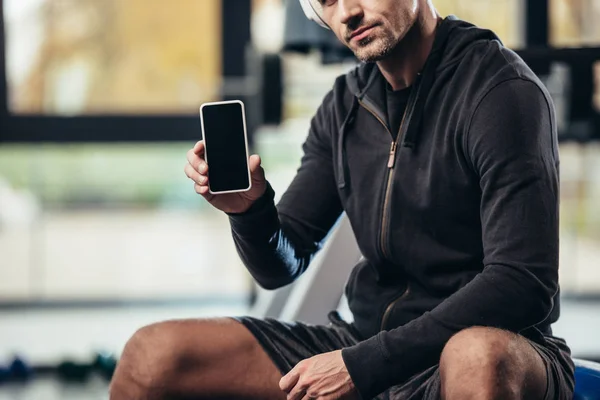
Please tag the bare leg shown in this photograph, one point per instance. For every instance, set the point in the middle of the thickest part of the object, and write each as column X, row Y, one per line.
column 489, row 363
column 195, row 359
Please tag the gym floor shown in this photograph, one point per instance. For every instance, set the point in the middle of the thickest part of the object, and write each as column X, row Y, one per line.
column 51, row 389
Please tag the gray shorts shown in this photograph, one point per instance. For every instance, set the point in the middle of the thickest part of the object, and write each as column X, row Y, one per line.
column 289, row 343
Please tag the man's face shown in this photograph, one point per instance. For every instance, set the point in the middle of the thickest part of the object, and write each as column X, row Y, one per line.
column 370, row 28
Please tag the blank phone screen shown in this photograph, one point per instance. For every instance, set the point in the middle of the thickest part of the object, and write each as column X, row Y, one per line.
column 225, row 142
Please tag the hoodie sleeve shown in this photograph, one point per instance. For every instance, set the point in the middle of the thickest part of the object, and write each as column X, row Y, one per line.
column 511, row 144
column 277, row 243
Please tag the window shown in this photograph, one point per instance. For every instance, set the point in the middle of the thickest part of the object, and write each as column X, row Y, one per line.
column 501, row 16
column 111, row 221
column 73, row 57
column 574, row 23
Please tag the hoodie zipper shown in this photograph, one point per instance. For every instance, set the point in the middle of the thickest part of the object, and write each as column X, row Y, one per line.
column 384, row 218
column 390, row 165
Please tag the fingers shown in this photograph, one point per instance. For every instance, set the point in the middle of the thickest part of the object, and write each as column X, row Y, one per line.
column 197, row 170
column 196, row 160
column 293, row 385
column 298, row 393
column 194, row 175
column 288, row 382
column 200, row 182
column 203, row 191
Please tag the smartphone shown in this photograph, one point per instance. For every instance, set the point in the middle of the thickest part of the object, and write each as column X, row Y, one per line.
column 225, row 146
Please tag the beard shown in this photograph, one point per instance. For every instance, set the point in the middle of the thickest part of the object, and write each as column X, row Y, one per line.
column 371, row 49
column 377, row 46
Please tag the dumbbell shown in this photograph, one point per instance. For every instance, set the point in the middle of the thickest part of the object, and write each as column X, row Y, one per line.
column 17, row 370
column 4, row 374
column 72, row 371
column 20, row 370
column 105, row 364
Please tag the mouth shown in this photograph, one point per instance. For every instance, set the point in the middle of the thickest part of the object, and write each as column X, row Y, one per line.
column 361, row 33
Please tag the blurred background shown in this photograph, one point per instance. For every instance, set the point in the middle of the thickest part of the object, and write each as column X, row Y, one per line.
column 100, row 230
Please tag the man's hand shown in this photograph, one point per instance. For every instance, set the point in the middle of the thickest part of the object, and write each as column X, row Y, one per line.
column 196, row 169
column 323, row 377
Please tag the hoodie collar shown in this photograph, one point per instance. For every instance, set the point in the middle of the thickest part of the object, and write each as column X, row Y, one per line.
column 372, row 94
column 366, row 83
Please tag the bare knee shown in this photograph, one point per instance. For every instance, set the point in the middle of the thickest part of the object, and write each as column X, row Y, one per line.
column 482, row 362
column 152, row 357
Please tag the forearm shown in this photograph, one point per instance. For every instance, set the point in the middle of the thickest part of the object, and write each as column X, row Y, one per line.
column 269, row 244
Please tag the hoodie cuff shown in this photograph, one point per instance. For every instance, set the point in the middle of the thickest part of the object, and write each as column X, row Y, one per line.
column 260, row 213
column 369, row 367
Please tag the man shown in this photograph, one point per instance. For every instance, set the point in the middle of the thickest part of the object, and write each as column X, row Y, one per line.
column 442, row 150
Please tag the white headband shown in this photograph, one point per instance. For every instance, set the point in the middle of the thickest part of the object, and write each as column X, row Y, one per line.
column 314, row 11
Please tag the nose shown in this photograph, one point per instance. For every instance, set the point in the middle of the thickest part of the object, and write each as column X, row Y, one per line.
column 349, row 10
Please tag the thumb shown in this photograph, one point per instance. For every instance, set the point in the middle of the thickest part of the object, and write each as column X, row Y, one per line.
column 254, row 163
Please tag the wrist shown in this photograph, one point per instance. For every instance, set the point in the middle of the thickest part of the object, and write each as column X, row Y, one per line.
column 259, row 204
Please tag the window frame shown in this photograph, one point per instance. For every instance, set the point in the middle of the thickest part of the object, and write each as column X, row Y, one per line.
column 235, row 31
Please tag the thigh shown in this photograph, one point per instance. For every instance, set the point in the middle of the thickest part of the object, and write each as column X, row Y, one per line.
column 225, row 360
column 195, row 359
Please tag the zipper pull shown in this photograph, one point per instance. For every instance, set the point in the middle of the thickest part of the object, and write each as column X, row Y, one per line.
column 392, row 159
